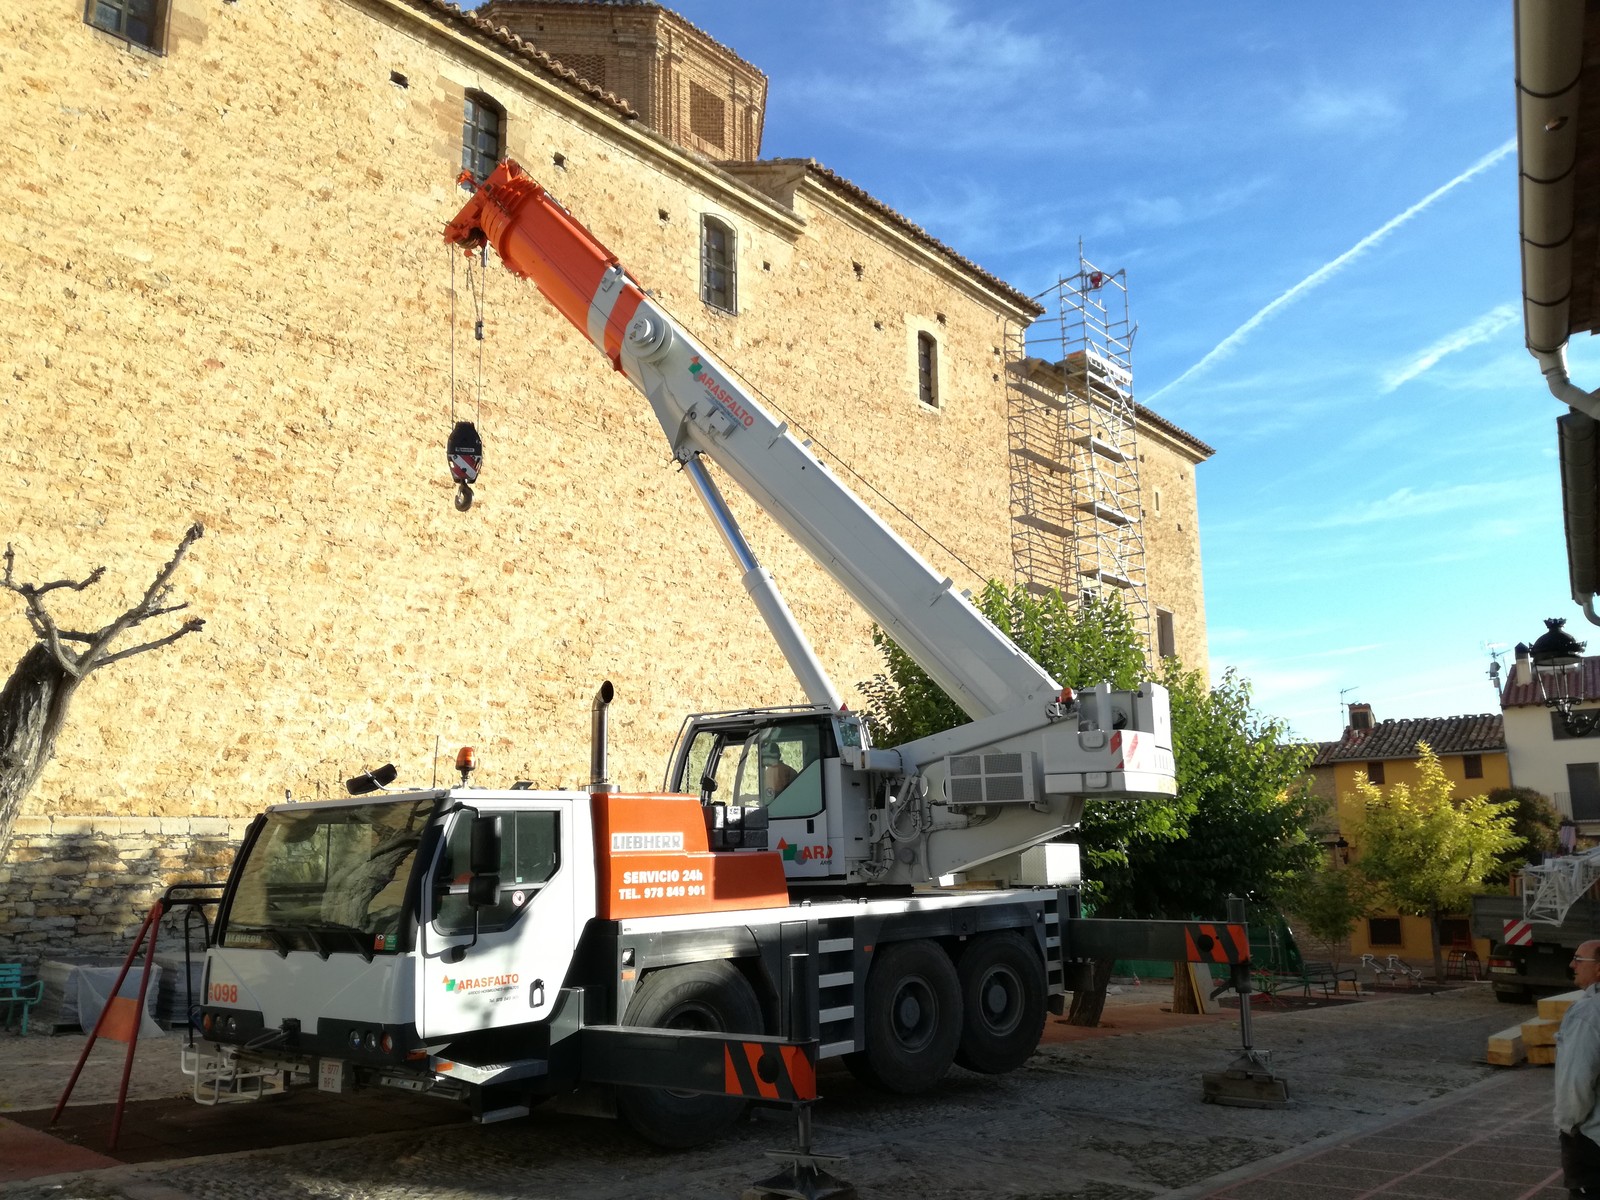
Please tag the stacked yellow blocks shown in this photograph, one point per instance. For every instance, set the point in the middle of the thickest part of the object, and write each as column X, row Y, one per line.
column 1533, row 1041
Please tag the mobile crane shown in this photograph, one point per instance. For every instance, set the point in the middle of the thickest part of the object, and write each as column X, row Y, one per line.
column 637, row 950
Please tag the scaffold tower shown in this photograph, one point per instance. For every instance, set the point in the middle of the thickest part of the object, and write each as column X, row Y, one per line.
column 1076, row 508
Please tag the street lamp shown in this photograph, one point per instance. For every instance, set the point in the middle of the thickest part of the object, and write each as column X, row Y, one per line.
column 1558, row 670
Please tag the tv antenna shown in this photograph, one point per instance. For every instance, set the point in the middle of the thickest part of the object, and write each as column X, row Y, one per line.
column 1343, row 692
column 1496, row 651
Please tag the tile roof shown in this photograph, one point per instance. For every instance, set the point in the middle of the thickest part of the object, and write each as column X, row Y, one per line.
column 838, row 183
column 1526, row 695
column 1160, row 422
column 515, row 47
column 1398, row 739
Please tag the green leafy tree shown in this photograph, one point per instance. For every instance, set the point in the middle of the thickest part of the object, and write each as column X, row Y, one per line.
column 1238, row 823
column 1244, row 802
column 1327, row 903
column 1533, row 819
column 1426, row 851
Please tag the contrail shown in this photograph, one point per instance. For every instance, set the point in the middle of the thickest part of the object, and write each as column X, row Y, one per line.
column 1325, row 272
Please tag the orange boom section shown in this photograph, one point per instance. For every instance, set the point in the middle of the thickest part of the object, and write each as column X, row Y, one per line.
column 538, row 239
column 652, row 859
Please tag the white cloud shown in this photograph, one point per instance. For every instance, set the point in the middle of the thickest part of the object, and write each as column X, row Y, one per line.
column 1331, row 268
column 987, row 48
column 1408, row 503
column 1325, row 108
column 1473, row 334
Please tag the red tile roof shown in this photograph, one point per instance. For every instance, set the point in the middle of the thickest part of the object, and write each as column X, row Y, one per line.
column 838, row 183
column 1485, row 732
column 515, row 47
column 1526, row 695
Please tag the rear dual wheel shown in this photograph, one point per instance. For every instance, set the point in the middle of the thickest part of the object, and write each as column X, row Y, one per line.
column 913, row 1024
column 1003, row 1003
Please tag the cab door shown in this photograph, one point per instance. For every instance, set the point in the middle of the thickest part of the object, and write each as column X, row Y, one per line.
column 500, row 965
column 782, row 769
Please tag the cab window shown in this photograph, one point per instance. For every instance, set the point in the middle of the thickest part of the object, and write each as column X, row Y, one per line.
column 782, row 770
column 529, row 857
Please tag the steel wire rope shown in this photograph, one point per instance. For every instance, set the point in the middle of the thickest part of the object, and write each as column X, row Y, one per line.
column 762, row 396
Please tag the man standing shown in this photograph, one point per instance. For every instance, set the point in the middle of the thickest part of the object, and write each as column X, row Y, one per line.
column 1578, row 1078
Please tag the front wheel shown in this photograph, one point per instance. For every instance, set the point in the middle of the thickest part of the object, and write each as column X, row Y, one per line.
column 913, row 1023
column 706, row 996
column 1003, row 1004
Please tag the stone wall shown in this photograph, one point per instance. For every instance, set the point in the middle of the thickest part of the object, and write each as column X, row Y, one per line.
column 1171, row 526
column 223, row 297
column 77, row 887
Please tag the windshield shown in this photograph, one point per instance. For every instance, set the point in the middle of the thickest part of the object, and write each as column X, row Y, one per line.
column 328, row 878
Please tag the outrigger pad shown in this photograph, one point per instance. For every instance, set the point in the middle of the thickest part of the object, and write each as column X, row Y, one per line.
column 803, row 1177
column 1246, row 1084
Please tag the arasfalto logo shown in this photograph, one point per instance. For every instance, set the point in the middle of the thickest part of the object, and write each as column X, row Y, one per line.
column 790, row 852
column 480, row 984
column 720, row 394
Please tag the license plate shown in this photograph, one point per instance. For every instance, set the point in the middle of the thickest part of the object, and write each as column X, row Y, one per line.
column 330, row 1075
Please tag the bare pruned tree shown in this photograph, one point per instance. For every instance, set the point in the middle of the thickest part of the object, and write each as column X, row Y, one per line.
column 33, row 703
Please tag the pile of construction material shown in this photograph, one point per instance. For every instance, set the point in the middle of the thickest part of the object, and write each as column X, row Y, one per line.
column 1532, row 1041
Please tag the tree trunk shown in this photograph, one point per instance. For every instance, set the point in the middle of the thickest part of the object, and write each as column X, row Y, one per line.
column 33, row 707
column 1090, row 1002
column 1438, row 951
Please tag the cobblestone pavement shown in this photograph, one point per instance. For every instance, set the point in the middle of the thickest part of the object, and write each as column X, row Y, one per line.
column 1110, row 1118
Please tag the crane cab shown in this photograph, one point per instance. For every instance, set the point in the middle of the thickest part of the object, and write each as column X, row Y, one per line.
column 785, row 763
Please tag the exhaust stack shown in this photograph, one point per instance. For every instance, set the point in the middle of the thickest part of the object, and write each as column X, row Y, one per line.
column 599, row 735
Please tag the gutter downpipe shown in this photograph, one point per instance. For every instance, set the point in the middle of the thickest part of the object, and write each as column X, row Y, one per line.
column 1549, row 67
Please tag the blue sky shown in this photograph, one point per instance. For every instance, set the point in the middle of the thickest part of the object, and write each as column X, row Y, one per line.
column 1316, row 210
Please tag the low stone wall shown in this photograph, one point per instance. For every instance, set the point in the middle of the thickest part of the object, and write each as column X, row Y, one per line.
column 79, row 887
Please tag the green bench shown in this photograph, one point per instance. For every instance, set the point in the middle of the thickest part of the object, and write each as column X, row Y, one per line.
column 16, row 997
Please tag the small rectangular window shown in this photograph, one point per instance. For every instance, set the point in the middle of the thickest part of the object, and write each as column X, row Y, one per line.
column 928, row 370
column 482, row 134
column 1472, row 765
column 1383, row 931
column 1583, row 785
column 136, row 21
column 1166, row 634
column 718, row 270
column 1375, row 773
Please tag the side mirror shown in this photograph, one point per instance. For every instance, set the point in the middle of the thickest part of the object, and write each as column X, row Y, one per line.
column 708, row 784
column 485, row 854
column 483, row 891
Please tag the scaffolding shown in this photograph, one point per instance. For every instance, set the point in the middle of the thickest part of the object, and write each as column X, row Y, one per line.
column 1076, row 509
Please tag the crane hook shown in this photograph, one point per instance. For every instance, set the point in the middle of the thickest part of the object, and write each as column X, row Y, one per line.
column 465, row 453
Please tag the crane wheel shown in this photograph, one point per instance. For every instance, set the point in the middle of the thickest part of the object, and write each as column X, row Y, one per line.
column 705, row 996
column 1003, row 1003
column 913, row 1022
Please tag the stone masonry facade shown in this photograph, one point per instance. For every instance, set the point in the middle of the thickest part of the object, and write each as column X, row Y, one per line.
column 224, row 298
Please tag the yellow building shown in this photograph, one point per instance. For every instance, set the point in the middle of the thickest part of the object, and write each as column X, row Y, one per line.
column 1472, row 752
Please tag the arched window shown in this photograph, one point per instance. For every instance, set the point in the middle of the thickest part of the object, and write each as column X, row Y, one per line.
column 928, row 369
column 718, row 264
column 482, row 136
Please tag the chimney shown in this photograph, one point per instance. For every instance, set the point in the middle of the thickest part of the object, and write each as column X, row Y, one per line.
column 1361, row 716
column 1522, row 670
